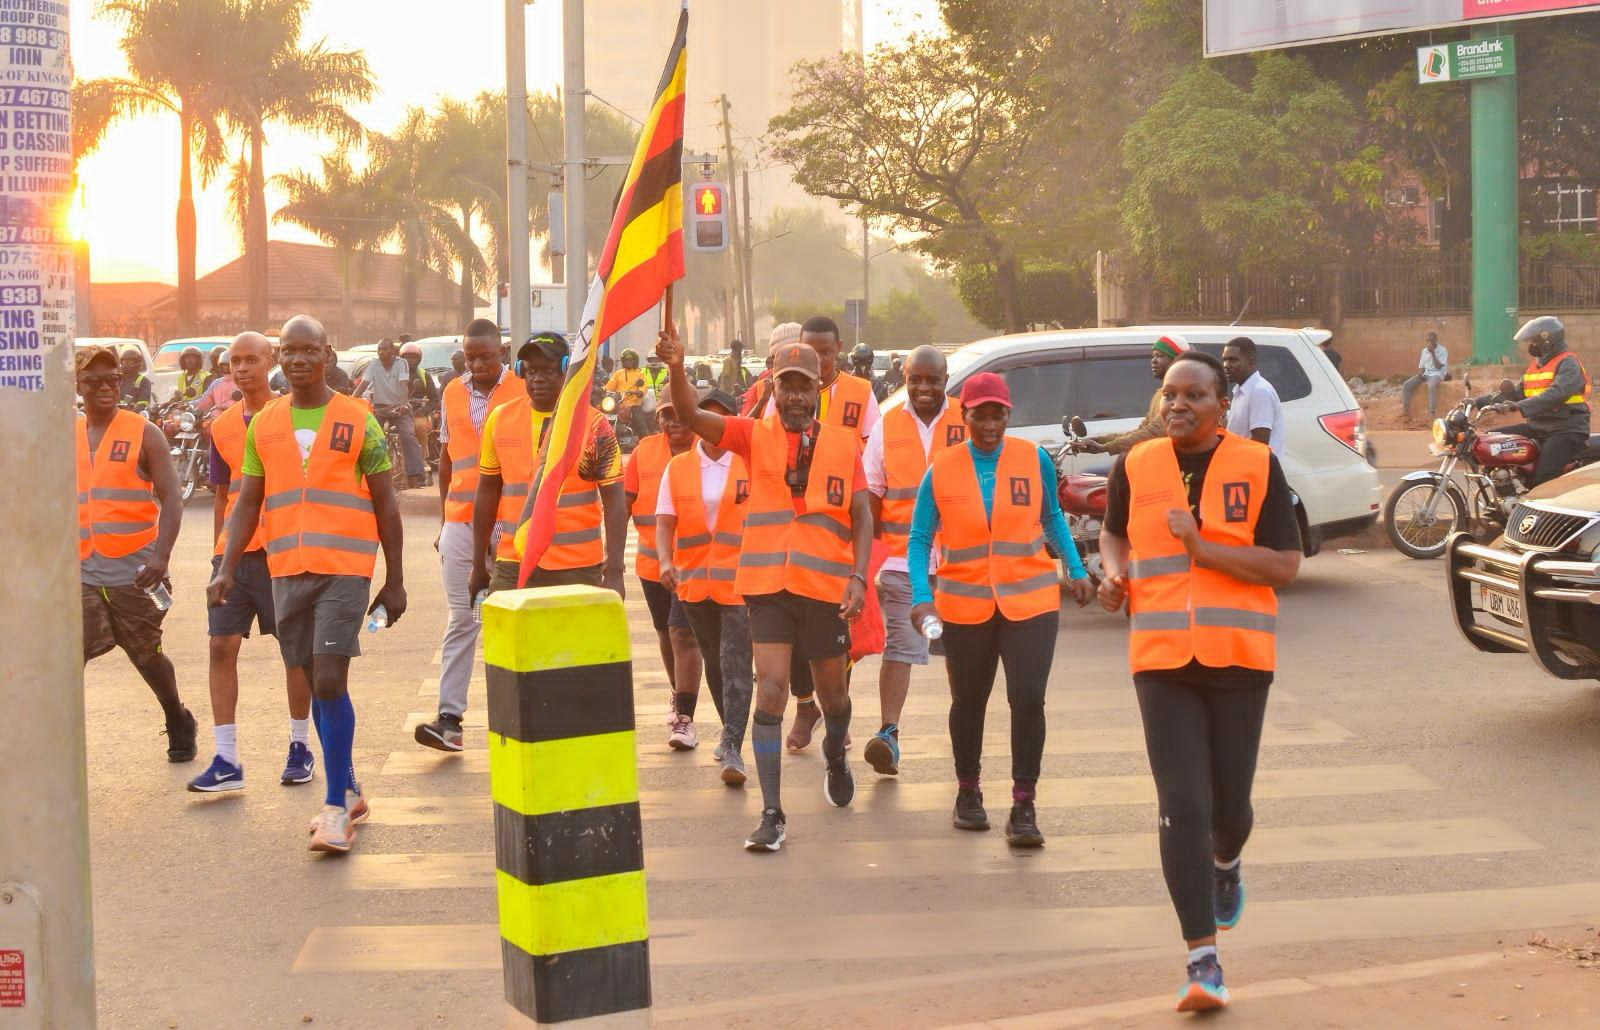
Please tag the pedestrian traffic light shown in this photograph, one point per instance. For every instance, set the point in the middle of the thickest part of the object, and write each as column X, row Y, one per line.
column 708, row 217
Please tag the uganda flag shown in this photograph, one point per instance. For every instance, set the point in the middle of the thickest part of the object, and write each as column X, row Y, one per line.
column 643, row 255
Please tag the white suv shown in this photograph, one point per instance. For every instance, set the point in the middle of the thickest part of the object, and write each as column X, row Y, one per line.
column 1104, row 376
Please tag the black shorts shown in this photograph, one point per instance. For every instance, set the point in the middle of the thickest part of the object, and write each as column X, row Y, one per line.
column 665, row 608
column 319, row 614
column 814, row 628
column 250, row 601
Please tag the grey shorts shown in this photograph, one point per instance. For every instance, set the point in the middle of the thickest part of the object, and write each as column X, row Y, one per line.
column 319, row 614
column 901, row 642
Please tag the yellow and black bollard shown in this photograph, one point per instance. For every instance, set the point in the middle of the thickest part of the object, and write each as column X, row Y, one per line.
column 569, row 851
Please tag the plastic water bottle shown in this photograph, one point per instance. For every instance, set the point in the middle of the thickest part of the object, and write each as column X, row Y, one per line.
column 932, row 627
column 477, row 605
column 379, row 619
column 159, row 594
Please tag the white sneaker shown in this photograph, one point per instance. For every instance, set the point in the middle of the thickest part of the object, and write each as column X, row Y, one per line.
column 333, row 831
column 682, row 737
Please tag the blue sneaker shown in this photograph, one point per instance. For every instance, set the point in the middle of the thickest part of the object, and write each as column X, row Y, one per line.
column 1204, row 991
column 301, row 763
column 883, row 751
column 1227, row 894
column 220, row 775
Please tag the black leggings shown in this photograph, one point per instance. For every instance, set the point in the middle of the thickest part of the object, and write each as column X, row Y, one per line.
column 971, row 654
column 1202, row 742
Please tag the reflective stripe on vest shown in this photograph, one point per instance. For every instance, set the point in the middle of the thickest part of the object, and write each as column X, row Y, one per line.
column 227, row 436
column 905, row 463
column 649, row 464
column 117, row 510
column 808, row 555
column 465, row 439
column 576, row 542
column 1538, row 377
column 317, row 513
column 1180, row 611
column 999, row 560
column 707, row 558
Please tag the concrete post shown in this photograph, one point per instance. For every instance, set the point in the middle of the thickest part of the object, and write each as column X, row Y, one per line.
column 1495, row 264
column 46, row 943
column 519, row 282
column 574, row 95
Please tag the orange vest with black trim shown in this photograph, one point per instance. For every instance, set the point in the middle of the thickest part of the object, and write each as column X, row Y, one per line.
column 847, row 405
column 1538, row 377
column 905, row 463
column 317, row 512
column 650, row 461
column 117, row 510
column 999, row 560
column 1179, row 611
column 808, row 555
column 227, row 435
column 707, row 556
column 576, row 543
column 464, row 440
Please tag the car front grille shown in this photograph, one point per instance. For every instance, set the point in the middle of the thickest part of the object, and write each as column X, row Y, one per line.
column 1543, row 530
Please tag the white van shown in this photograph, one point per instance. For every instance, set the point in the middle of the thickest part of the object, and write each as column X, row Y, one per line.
column 1104, row 376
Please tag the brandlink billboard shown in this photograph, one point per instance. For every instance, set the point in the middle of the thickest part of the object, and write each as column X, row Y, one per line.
column 1237, row 26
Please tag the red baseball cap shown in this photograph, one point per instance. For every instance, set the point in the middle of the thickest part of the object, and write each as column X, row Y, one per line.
column 985, row 388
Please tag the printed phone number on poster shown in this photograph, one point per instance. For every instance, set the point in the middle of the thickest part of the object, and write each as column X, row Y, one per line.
column 24, row 35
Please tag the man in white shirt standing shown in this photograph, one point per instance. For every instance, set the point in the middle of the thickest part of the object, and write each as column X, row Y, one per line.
column 1256, row 412
column 1432, row 367
column 899, row 450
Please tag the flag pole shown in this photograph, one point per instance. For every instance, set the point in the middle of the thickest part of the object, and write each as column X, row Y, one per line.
column 666, row 311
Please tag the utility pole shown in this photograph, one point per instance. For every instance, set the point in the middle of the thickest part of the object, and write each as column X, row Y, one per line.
column 519, row 287
column 749, row 269
column 46, row 938
column 742, row 313
column 574, row 95
column 866, row 273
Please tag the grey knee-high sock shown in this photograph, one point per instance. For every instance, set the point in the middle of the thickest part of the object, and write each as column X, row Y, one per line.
column 837, row 727
column 766, row 739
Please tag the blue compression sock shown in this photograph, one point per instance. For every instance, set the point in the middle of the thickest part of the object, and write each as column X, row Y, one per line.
column 337, row 728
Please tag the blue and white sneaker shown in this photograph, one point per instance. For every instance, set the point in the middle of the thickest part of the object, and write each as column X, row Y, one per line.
column 300, row 765
column 1204, row 991
column 883, row 751
column 1227, row 897
column 220, row 775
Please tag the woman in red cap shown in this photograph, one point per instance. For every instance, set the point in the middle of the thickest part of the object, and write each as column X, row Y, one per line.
column 993, row 503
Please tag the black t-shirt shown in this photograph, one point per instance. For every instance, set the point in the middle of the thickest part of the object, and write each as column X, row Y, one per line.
column 1276, row 528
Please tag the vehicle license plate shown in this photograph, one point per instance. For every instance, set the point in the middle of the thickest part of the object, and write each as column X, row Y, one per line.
column 1500, row 604
column 188, row 436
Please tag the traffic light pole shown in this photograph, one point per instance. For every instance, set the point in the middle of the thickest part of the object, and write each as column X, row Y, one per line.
column 573, row 97
column 519, row 285
column 1495, row 264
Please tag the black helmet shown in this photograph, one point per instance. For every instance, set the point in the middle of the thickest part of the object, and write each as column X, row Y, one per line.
column 1544, row 335
column 861, row 354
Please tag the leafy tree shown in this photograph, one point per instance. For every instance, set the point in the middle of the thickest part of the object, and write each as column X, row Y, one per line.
column 337, row 208
column 1054, row 295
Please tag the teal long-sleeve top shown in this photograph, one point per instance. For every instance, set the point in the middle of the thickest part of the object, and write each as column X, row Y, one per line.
column 925, row 519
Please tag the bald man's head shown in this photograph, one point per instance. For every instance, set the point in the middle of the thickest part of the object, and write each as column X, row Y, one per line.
column 927, row 375
column 303, row 353
column 928, row 358
column 250, row 364
column 306, row 327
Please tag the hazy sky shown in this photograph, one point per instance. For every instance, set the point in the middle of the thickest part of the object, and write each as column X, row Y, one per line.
column 416, row 56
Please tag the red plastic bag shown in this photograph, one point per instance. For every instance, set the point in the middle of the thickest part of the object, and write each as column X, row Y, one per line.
column 866, row 632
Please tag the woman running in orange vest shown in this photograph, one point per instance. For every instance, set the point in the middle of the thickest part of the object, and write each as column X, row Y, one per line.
column 993, row 504
column 1199, row 530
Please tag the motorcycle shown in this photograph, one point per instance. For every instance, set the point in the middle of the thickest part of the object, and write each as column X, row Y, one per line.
column 189, row 437
column 1082, row 496
column 1427, row 506
column 611, row 407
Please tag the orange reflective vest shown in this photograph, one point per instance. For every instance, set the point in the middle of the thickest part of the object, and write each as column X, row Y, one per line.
column 905, row 463
column 808, row 555
column 117, row 510
column 999, row 560
column 1538, row 377
column 650, row 461
column 847, row 404
column 576, row 543
column 707, row 556
column 227, row 436
column 317, row 512
column 1180, row 611
column 464, row 440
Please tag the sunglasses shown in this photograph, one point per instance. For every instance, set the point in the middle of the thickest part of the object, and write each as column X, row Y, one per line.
column 95, row 382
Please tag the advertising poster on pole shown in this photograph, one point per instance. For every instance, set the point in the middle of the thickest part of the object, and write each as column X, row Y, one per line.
column 1240, row 26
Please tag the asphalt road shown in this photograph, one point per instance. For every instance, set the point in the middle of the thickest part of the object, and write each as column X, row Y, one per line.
column 1417, row 803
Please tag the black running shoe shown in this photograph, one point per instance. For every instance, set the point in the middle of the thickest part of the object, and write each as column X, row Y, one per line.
column 838, row 783
column 1227, row 897
column 770, row 834
column 1022, row 829
column 180, row 737
column 969, row 814
column 443, row 734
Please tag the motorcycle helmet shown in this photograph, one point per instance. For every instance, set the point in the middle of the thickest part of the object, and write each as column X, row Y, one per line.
column 1544, row 335
column 411, row 350
column 199, row 358
column 861, row 356
column 629, row 353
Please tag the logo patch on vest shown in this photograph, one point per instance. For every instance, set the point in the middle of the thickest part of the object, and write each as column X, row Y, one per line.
column 341, row 437
column 1021, row 491
column 741, row 491
column 119, row 450
column 836, row 490
column 852, row 413
column 955, row 436
column 1236, row 502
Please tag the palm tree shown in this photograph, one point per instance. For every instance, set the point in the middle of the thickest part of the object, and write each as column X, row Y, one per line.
column 274, row 79
column 337, row 209
column 176, row 51
column 468, row 154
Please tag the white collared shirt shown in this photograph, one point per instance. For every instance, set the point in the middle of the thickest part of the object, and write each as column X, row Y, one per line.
column 877, row 471
column 1256, row 406
column 713, row 484
column 477, row 404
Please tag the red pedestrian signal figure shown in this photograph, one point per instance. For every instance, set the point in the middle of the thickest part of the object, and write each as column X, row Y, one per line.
column 708, row 217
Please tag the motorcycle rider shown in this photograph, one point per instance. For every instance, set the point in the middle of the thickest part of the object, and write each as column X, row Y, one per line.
column 1162, row 355
column 861, row 368
column 629, row 384
column 135, row 394
column 192, row 374
column 387, row 384
column 1553, row 396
